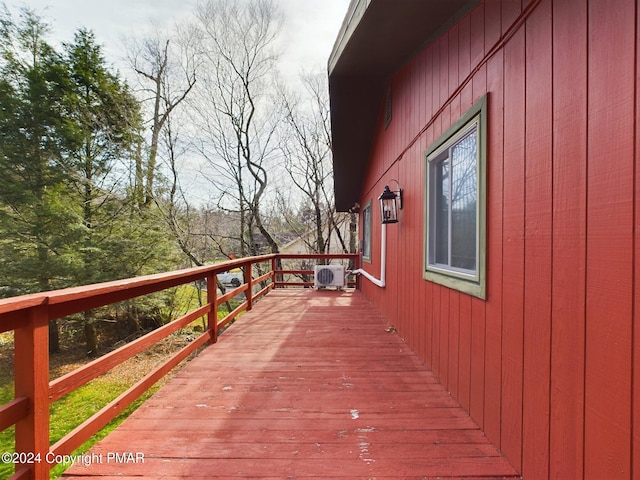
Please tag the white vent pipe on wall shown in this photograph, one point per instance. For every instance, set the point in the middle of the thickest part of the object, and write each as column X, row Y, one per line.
column 381, row 282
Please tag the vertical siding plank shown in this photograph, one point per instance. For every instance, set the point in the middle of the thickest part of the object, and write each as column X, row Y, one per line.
column 454, row 65
column 538, row 234
column 428, row 286
column 417, row 306
column 454, row 342
column 435, row 85
column 421, row 303
column 478, row 327
column 569, row 238
column 492, row 22
column 493, row 354
column 438, row 127
column 477, row 35
column 407, row 287
column 428, row 86
column 464, row 47
column 425, row 142
column 464, row 63
column 437, row 320
column 635, row 446
column 412, row 214
column 404, row 288
column 513, row 246
column 410, row 106
column 464, row 368
column 456, row 112
column 392, row 305
column 445, row 326
column 443, row 69
column 476, row 408
column 610, row 239
column 414, row 269
column 421, row 61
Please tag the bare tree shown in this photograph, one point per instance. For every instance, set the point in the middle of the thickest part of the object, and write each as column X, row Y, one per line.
column 306, row 145
column 168, row 76
column 234, row 108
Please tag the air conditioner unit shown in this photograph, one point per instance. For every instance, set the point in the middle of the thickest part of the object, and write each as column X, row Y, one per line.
column 328, row 276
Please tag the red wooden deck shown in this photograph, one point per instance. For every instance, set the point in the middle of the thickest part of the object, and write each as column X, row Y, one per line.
column 307, row 384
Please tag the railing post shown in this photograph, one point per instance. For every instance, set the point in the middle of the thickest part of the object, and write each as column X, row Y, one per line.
column 274, row 265
column 212, row 300
column 248, row 278
column 31, row 377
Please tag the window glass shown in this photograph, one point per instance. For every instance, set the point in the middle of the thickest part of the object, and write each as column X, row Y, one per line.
column 453, row 203
column 366, row 232
column 464, row 191
column 455, row 223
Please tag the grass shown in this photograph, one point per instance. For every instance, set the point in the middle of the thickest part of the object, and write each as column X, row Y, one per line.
column 79, row 405
column 76, row 407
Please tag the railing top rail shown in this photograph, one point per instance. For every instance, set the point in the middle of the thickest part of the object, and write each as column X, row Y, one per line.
column 318, row 256
column 76, row 299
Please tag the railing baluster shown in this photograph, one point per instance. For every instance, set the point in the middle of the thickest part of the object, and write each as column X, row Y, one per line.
column 248, row 277
column 31, row 377
column 274, row 267
column 212, row 317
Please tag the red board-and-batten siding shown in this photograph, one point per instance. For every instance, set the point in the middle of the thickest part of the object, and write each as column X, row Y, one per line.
column 549, row 364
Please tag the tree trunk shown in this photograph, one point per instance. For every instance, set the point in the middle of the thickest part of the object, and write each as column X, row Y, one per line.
column 54, row 336
column 90, row 334
column 138, row 188
column 54, row 330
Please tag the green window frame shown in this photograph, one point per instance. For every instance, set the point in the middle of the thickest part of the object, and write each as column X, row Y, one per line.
column 455, row 205
column 366, row 232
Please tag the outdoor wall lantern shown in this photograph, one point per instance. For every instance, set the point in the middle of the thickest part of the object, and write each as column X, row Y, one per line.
column 390, row 202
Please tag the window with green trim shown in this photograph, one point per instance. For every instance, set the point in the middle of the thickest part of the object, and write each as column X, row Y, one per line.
column 366, row 232
column 455, row 210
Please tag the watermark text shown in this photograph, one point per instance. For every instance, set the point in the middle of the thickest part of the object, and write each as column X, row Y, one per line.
column 86, row 459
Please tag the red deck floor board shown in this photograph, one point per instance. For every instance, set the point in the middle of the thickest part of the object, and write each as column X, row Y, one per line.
column 307, row 384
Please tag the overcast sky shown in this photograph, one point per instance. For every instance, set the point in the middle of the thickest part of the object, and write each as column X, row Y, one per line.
column 308, row 34
column 310, row 28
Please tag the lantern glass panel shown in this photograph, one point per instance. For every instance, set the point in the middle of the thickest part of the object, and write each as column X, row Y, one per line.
column 388, row 207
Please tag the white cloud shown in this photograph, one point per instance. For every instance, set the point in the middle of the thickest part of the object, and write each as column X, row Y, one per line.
column 309, row 32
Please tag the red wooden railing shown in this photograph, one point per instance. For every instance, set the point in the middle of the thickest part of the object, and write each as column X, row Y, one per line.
column 28, row 316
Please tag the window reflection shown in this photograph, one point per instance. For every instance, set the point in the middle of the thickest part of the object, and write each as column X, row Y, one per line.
column 453, row 204
column 464, row 187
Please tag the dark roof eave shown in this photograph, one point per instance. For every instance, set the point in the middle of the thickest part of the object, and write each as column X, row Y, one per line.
column 376, row 39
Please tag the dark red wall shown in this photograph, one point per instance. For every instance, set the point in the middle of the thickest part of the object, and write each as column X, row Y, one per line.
column 546, row 364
